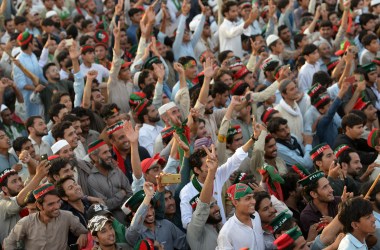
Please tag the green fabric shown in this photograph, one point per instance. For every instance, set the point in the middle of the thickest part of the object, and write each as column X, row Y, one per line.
column 119, row 231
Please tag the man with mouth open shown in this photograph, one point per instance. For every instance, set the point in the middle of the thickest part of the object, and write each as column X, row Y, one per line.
column 48, row 228
column 243, row 230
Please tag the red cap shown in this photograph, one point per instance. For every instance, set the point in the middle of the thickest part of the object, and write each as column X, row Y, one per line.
column 148, row 162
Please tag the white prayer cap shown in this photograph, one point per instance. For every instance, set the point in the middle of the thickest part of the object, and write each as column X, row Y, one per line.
column 271, row 39
column 375, row 2
column 136, row 78
column 195, row 22
column 162, row 110
column 58, row 146
column 3, row 107
column 51, row 13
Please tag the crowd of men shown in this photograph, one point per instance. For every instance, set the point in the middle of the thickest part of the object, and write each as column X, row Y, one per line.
column 189, row 124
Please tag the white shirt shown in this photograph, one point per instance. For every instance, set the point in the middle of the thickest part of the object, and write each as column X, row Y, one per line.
column 103, row 72
column 222, row 174
column 305, row 76
column 236, row 235
column 43, row 148
column 147, row 136
column 349, row 242
column 230, row 37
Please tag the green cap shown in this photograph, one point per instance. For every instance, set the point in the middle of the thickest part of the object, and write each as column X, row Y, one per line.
column 369, row 67
column 280, row 219
column 312, row 178
column 133, row 203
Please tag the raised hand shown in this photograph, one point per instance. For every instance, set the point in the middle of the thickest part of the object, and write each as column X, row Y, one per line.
column 148, row 189
column 211, row 160
column 48, row 42
column 179, row 68
column 207, row 68
column 116, row 30
column 43, row 169
column 181, row 143
column 25, row 156
column 153, row 47
column 119, row 7
column 39, row 88
column 131, row 133
column 203, row 8
column 92, row 74
column 346, row 195
column 159, row 71
column 74, row 51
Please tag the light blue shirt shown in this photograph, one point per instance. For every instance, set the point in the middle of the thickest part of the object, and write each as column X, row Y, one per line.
column 377, row 217
column 30, row 62
column 176, row 88
column 181, row 49
column 349, row 242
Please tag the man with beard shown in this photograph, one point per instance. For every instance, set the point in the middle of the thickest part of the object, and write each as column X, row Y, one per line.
column 121, row 148
column 107, row 181
column 265, row 151
column 322, row 206
column 243, row 230
column 74, row 201
column 202, row 231
column 37, row 128
column 66, row 131
column 148, row 115
column 289, row 149
column 49, row 227
column 81, row 168
column 91, row 12
column 54, row 84
column 13, row 194
column 230, row 32
column 145, row 225
column 349, row 160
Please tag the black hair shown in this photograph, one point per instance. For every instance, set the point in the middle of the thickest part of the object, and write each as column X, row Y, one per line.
column 275, row 123
column 281, row 28
column 259, row 197
column 325, row 23
column 72, row 32
column 59, row 186
column 83, row 39
column 365, row 18
column 62, row 56
column 19, row 20
column 219, row 88
column 143, row 75
column 56, row 98
column 297, row 39
column 86, row 23
column 4, row 183
column 81, row 112
column 281, row 4
column 105, row 110
column 195, row 159
column 46, row 68
column 54, row 110
column 308, row 49
column 322, row 78
column 71, row 118
column 360, row 113
column 47, row 22
column 149, row 91
column 18, row 142
column 58, row 130
column 345, row 157
column 223, row 55
column 290, row 184
column 134, row 11
column 241, row 89
column 312, row 187
column 352, row 211
column 350, row 120
column 78, row 18
column 362, row 34
column 143, row 112
column 367, row 39
column 30, row 121
column 56, row 165
column 227, row 6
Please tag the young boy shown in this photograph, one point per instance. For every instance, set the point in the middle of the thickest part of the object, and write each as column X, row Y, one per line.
column 371, row 45
column 358, row 221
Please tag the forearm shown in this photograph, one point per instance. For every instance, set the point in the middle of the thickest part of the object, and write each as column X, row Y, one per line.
column 352, row 102
column 19, row 96
column 135, row 160
column 87, row 95
column 29, row 187
column 248, row 145
column 203, row 95
column 207, row 189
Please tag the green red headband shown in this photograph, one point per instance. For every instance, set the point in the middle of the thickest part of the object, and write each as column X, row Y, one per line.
column 42, row 190
column 321, row 100
column 300, row 170
column 236, row 85
column 314, row 89
column 141, row 107
column 317, row 150
column 372, row 137
column 7, row 172
column 340, row 149
column 95, row 145
column 267, row 113
column 241, row 72
column 113, row 128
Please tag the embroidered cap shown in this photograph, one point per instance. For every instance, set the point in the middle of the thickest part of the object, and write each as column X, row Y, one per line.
column 312, row 178
column 5, row 173
column 238, row 191
column 288, row 238
column 42, row 190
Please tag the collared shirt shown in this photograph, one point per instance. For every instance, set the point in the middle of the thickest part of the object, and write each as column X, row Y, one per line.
column 230, row 36
column 165, row 232
column 237, row 235
column 349, row 242
column 30, row 62
column 43, row 148
column 114, row 189
column 103, row 72
column 305, row 76
column 200, row 234
column 7, row 161
column 311, row 215
column 9, row 215
column 222, row 174
column 31, row 232
column 147, row 136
